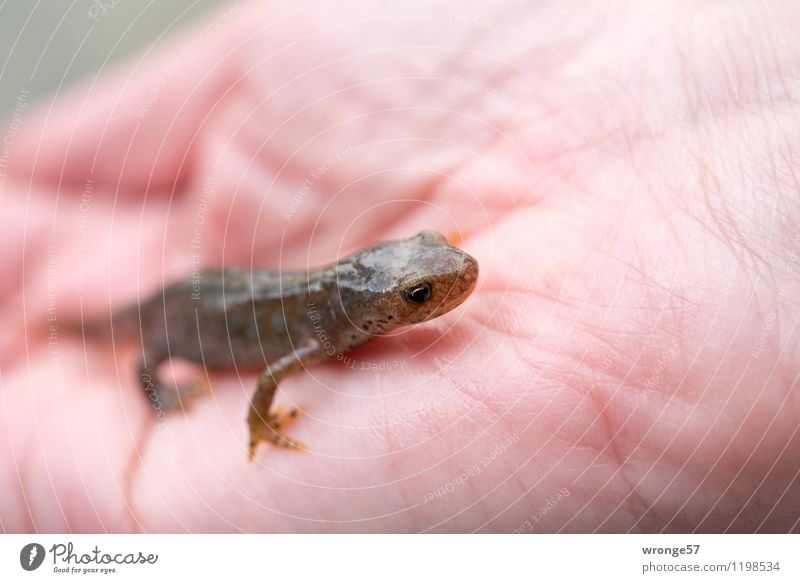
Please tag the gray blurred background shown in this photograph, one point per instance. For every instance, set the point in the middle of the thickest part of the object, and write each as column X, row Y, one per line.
column 45, row 44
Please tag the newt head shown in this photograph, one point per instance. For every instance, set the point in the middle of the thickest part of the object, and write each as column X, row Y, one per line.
column 405, row 282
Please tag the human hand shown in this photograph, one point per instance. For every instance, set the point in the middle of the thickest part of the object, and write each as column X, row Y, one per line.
column 623, row 174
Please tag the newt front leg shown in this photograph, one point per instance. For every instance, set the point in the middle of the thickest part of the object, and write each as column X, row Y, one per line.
column 265, row 424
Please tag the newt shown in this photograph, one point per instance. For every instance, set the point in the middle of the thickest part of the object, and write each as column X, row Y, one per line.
column 280, row 322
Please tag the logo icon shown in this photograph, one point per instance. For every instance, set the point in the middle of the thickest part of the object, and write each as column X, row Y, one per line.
column 31, row 556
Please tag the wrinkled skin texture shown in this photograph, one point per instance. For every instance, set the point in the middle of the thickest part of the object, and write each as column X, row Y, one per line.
column 625, row 176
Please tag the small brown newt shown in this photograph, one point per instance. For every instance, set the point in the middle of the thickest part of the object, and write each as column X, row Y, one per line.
column 282, row 321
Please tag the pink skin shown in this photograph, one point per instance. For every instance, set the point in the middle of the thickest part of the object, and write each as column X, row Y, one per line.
column 626, row 178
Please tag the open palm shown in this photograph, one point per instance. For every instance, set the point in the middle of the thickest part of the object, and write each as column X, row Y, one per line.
column 623, row 175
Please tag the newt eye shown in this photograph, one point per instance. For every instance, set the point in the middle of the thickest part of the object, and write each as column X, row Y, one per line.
column 418, row 293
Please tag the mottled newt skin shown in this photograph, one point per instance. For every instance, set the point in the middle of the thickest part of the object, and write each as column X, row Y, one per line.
column 282, row 321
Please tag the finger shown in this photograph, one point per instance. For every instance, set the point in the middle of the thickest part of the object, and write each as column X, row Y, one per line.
column 137, row 125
